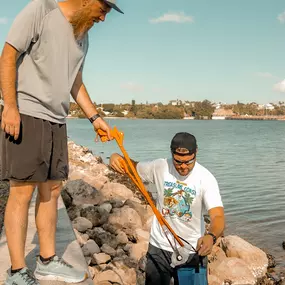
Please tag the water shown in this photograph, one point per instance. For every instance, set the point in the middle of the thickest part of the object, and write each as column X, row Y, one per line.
column 246, row 157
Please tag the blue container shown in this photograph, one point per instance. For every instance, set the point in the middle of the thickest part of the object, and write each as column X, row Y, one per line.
column 192, row 276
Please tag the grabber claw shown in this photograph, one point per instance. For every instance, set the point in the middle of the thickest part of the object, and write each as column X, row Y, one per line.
column 118, row 136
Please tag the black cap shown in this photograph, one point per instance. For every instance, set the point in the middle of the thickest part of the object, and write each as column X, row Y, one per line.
column 184, row 140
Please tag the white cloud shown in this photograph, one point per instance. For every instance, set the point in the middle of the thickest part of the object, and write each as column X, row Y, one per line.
column 3, row 20
column 281, row 17
column 280, row 87
column 133, row 87
column 173, row 17
column 265, row 75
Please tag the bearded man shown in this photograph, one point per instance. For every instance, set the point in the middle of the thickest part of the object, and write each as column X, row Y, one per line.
column 41, row 65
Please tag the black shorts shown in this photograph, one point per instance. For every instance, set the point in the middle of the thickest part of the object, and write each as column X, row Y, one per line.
column 39, row 154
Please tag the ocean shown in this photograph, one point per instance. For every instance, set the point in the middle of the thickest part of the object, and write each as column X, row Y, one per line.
column 246, row 157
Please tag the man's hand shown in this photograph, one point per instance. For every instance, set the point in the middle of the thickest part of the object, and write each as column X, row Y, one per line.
column 101, row 124
column 205, row 245
column 11, row 121
column 115, row 163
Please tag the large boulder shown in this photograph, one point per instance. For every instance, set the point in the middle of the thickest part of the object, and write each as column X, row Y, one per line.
column 233, row 270
column 125, row 217
column 112, row 191
column 254, row 257
column 82, row 193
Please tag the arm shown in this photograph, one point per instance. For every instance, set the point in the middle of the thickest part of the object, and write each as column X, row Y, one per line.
column 116, row 163
column 10, row 122
column 81, row 97
column 213, row 203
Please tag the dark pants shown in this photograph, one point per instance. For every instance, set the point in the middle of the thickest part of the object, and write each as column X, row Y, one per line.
column 40, row 153
column 159, row 271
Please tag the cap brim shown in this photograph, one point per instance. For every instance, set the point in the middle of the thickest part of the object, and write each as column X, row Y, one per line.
column 114, row 6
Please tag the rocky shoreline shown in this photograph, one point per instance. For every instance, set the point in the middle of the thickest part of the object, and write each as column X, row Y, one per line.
column 112, row 221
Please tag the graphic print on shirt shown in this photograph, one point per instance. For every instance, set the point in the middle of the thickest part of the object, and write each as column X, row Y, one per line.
column 178, row 198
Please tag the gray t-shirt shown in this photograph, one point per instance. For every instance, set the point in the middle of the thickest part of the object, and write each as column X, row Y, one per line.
column 49, row 62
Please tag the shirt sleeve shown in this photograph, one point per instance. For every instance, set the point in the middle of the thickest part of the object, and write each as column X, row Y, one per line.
column 86, row 48
column 26, row 26
column 146, row 171
column 211, row 192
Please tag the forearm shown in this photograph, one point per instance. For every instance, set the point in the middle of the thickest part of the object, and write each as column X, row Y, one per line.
column 217, row 226
column 8, row 75
column 82, row 98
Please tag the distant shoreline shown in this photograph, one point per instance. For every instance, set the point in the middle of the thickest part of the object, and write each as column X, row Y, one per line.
column 232, row 118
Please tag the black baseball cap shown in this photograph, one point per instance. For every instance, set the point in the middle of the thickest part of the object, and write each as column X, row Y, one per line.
column 184, row 140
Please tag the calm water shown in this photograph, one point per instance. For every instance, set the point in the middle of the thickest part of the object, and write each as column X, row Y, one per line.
column 246, row 157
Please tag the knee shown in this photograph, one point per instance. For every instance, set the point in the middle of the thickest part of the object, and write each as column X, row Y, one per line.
column 56, row 190
column 49, row 191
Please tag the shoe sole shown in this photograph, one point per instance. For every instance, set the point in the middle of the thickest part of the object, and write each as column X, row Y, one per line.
column 60, row 278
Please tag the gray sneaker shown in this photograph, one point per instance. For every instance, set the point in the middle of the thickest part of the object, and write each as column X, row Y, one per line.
column 59, row 270
column 23, row 277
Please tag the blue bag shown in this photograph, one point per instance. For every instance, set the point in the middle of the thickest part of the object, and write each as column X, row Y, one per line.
column 193, row 272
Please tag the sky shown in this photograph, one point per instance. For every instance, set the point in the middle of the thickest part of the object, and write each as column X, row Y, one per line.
column 220, row 50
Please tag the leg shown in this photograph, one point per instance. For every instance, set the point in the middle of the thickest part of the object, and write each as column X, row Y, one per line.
column 16, row 221
column 158, row 269
column 46, row 216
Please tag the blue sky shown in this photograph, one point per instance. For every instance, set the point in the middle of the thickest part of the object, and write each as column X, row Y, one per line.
column 222, row 50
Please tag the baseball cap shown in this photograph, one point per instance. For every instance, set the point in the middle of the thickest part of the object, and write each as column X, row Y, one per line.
column 112, row 4
column 184, row 140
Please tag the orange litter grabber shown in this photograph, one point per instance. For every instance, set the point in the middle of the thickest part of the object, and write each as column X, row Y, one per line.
column 180, row 256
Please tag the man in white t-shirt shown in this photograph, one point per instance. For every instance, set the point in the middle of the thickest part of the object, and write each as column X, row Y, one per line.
column 185, row 190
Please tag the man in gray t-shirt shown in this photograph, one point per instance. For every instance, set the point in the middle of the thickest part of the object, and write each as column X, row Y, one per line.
column 41, row 65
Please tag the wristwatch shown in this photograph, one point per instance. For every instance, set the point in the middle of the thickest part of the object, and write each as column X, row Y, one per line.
column 213, row 236
column 94, row 118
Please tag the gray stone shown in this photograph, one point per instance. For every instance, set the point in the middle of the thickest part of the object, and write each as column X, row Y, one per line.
column 81, row 224
column 105, row 207
column 108, row 249
column 122, row 238
column 91, row 213
column 82, row 193
column 100, row 236
column 90, row 248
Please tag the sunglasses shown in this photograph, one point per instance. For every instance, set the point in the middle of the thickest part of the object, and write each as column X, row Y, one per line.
column 187, row 162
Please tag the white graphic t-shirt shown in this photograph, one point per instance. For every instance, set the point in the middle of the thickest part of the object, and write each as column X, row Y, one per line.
column 182, row 200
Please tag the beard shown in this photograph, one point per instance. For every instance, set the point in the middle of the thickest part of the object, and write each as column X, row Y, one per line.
column 82, row 22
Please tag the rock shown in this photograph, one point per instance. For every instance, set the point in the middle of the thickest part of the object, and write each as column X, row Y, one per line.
column 283, row 244
column 138, row 250
column 91, row 213
column 110, row 228
column 90, row 248
column 93, row 271
column 142, row 235
column 88, row 260
column 81, row 238
column 142, row 263
column 100, row 236
column 144, row 211
column 96, row 180
column 99, row 258
column 73, row 212
column 125, row 217
column 255, row 258
column 120, row 252
column 217, row 255
column 81, row 224
column 271, row 261
column 108, row 275
column 116, row 203
column 122, row 238
column 66, row 198
column 116, row 190
column 233, row 269
column 82, row 193
column 108, row 250
column 106, row 207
